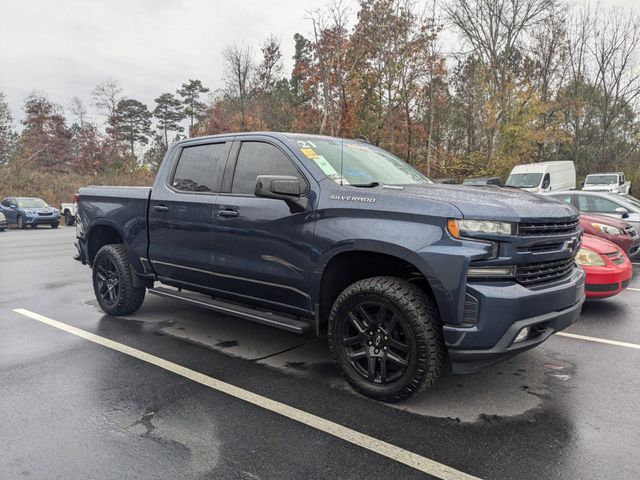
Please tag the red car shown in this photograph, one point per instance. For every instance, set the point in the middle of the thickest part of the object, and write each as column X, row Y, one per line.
column 614, row 230
column 607, row 267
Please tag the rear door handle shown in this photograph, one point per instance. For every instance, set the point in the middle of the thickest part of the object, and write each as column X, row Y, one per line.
column 227, row 213
column 161, row 208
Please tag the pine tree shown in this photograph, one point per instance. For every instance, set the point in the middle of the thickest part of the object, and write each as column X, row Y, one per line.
column 169, row 113
column 193, row 108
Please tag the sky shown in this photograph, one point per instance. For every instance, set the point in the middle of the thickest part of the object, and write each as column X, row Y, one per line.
column 66, row 47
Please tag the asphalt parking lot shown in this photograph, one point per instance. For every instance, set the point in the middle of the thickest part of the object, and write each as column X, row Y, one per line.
column 153, row 395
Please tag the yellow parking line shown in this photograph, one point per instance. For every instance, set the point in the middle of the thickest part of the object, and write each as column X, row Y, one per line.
column 380, row 447
column 599, row 340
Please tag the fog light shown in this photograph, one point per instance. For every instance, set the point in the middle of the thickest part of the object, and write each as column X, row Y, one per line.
column 522, row 335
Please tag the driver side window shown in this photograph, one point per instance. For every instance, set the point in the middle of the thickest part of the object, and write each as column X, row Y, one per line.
column 546, row 181
column 260, row 158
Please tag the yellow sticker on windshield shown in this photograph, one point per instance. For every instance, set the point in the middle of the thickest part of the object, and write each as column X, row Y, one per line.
column 309, row 153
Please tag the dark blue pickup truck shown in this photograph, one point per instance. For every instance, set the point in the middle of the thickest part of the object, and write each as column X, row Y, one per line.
column 341, row 239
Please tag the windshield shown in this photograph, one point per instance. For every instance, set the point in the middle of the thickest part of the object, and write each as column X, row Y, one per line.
column 31, row 203
column 631, row 201
column 524, row 180
column 601, row 180
column 360, row 163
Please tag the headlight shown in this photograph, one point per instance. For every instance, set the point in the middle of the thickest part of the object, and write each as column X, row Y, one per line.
column 488, row 272
column 607, row 229
column 469, row 228
column 29, row 212
column 589, row 258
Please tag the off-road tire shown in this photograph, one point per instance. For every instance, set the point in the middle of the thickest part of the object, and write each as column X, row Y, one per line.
column 69, row 219
column 129, row 298
column 426, row 356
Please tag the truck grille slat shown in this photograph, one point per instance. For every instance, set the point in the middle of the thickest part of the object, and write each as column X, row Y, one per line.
column 532, row 273
column 561, row 227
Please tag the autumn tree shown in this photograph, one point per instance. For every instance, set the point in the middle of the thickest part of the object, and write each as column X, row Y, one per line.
column 169, row 113
column 193, row 107
column 45, row 139
column 85, row 138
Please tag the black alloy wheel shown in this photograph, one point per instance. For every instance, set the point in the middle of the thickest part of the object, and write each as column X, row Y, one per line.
column 376, row 341
column 108, row 281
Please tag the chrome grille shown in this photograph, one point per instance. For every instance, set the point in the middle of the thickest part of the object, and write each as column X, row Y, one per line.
column 533, row 273
column 558, row 227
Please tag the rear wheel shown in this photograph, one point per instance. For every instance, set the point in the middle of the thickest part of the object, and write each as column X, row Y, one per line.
column 113, row 282
column 385, row 334
column 69, row 219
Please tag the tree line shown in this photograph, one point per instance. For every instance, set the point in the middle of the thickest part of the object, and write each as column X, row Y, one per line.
column 462, row 88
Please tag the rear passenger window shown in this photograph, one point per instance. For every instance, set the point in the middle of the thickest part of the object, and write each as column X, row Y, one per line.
column 198, row 168
column 259, row 158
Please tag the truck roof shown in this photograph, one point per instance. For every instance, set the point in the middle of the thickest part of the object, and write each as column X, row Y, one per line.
column 606, row 173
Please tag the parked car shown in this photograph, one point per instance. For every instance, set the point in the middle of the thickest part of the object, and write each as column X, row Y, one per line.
column 338, row 237
column 607, row 267
column 607, row 182
column 29, row 211
column 613, row 205
column 614, row 230
column 543, row 176
column 69, row 210
column 3, row 222
column 482, row 181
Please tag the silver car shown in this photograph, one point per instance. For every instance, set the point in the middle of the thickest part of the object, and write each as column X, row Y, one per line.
column 615, row 205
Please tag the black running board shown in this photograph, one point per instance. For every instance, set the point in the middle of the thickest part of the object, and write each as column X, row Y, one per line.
column 258, row 316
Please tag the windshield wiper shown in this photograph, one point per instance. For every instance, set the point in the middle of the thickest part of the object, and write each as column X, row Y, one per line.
column 365, row 185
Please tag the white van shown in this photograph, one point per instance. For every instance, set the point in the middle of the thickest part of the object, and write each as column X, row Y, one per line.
column 543, row 176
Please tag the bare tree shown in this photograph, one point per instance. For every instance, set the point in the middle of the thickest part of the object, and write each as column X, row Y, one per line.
column 78, row 110
column 238, row 70
column 496, row 31
column 106, row 97
column 614, row 48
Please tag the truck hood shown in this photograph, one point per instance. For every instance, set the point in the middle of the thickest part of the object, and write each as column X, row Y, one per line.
column 493, row 203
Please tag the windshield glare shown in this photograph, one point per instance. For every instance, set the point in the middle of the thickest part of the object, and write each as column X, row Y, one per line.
column 524, row 180
column 360, row 163
column 601, row 179
column 31, row 203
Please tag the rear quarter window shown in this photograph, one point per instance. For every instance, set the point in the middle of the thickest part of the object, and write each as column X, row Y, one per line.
column 198, row 168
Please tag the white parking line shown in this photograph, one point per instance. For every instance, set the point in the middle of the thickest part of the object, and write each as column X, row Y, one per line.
column 599, row 340
column 380, row 447
column 633, row 289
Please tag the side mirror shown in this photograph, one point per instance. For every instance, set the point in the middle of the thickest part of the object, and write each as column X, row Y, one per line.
column 281, row 187
column 13, row 207
column 622, row 211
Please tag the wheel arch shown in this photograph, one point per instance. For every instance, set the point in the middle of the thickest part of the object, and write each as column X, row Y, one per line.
column 101, row 234
column 346, row 267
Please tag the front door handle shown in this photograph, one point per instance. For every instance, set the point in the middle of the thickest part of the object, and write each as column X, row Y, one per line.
column 227, row 213
column 161, row 208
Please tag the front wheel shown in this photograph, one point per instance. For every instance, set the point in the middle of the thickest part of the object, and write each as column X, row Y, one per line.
column 113, row 282
column 54, row 225
column 20, row 222
column 385, row 335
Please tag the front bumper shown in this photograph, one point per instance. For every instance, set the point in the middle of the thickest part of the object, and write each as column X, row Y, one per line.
column 607, row 281
column 504, row 310
column 42, row 219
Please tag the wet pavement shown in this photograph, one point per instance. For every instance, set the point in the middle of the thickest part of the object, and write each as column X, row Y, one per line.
column 74, row 409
